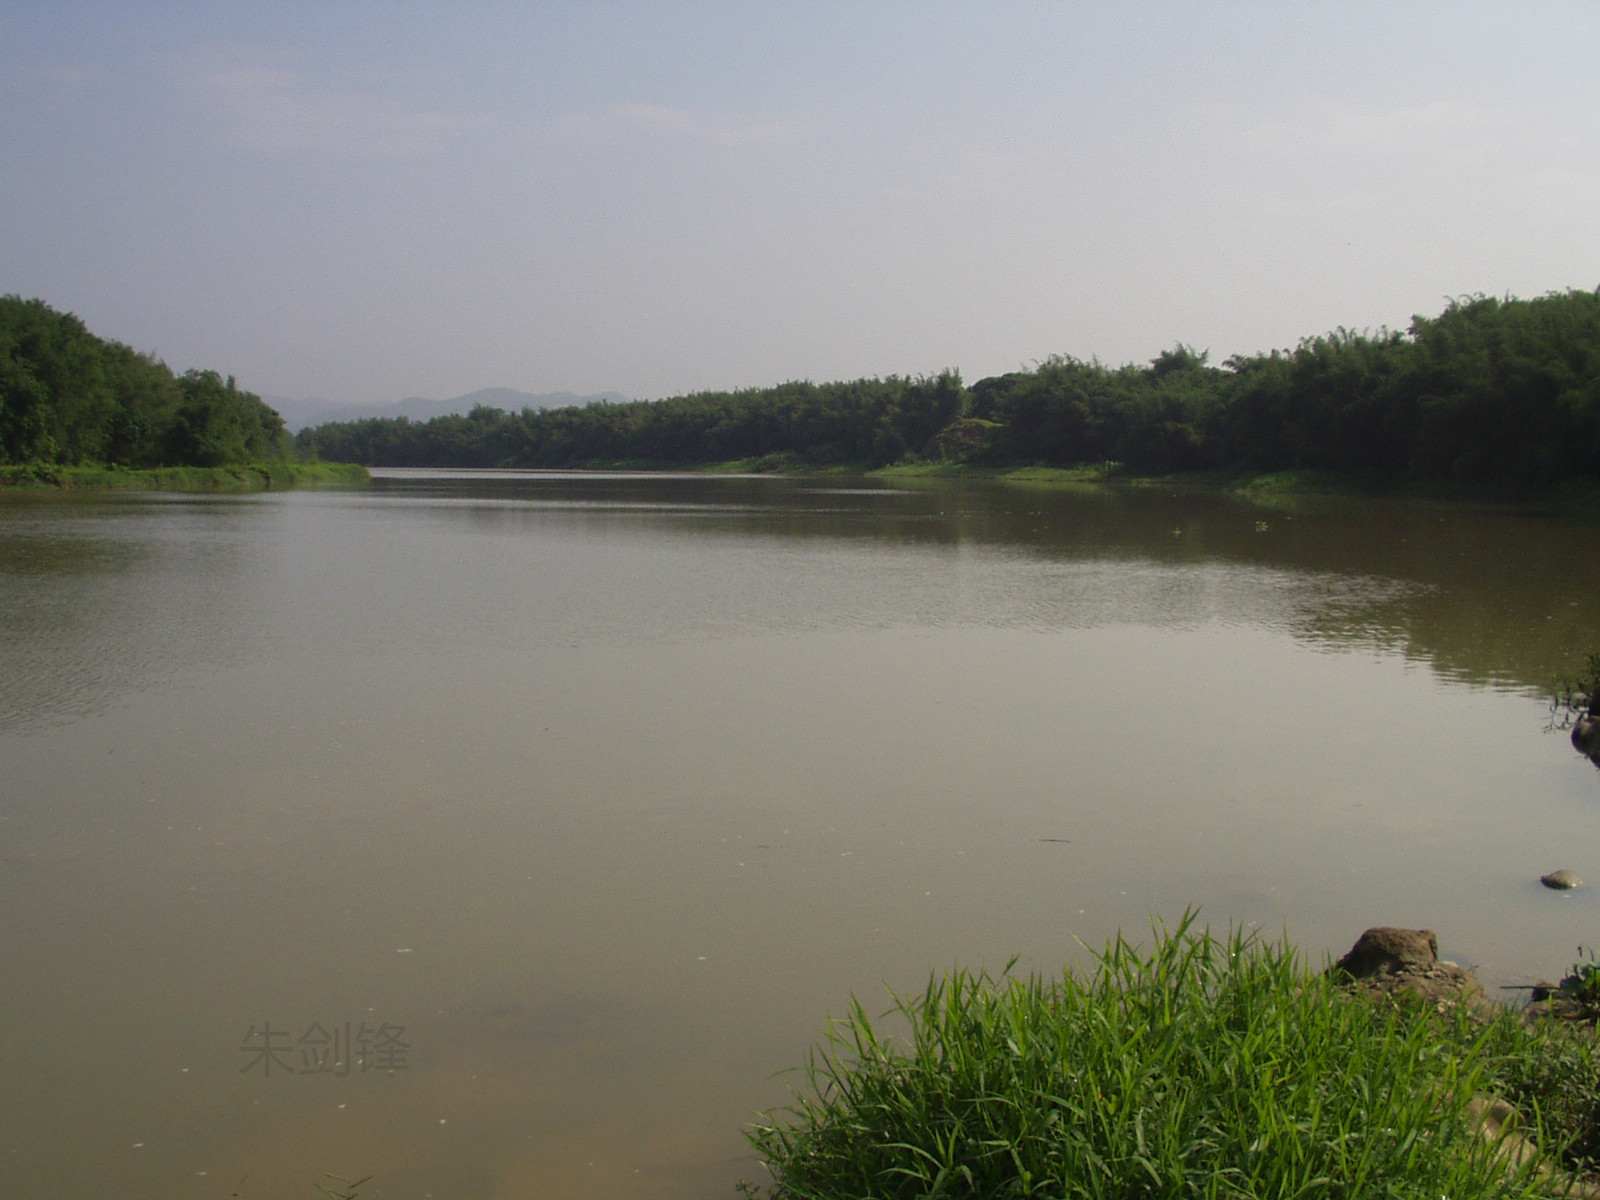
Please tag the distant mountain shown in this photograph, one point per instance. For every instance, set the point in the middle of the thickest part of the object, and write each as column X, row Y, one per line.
column 299, row 414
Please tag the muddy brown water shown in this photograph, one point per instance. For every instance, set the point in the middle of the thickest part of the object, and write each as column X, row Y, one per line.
column 504, row 835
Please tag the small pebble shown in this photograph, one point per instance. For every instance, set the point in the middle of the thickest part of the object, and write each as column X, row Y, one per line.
column 1561, row 880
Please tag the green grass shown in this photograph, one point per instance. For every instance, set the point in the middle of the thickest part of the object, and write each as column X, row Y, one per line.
column 1275, row 489
column 1551, row 1072
column 1198, row 1067
column 1577, row 697
column 246, row 477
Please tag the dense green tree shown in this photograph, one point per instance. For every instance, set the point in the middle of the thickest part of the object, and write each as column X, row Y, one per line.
column 57, row 401
column 69, row 397
column 216, row 424
column 1490, row 393
column 24, row 413
column 147, row 399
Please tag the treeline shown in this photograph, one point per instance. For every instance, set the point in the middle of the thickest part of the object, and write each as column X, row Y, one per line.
column 866, row 421
column 1490, row 392
column 68, row 398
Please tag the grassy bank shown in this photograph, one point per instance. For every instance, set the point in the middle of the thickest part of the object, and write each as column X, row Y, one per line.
column 245, row 477
column 1198, row 1067
column 1065, row 476
column 1321, row 483
column 1575, row 495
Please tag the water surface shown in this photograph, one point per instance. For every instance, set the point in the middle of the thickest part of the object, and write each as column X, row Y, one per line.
column 608, row 789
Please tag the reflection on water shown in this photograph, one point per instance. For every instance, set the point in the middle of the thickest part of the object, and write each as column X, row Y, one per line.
column 609, row 788
column 1480, row 596
column 101, row 597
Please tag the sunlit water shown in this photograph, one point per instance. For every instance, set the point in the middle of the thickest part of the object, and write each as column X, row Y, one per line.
column 605, row 791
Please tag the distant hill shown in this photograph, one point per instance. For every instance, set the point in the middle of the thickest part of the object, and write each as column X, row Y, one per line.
column 302, row 414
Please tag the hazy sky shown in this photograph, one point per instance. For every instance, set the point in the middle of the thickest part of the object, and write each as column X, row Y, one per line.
column 362, row 201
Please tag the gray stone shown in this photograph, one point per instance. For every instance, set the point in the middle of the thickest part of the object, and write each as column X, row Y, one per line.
column 1386, row 961
column 1384, row 949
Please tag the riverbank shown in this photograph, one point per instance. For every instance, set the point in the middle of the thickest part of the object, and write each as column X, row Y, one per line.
column 1195, row 1061
column 241, row 477
column 1572, row 497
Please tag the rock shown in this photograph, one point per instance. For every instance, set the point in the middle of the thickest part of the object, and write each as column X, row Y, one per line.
column 1497, row 1123
column 1556, row 1006
column 1561, row 880
column 1386, row 960
column 1501, row 1126
column 1384, row 949
column 1544, row 989
column 1586, row 736
column 1550, row 1000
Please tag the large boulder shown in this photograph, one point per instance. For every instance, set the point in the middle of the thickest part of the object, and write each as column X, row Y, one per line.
column 1386, row 960
column 1384, row 949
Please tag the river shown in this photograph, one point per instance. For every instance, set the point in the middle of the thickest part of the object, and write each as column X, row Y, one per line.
column 507, row 834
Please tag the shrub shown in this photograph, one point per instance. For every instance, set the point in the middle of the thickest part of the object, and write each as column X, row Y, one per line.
column 1578, row 697
column 1200, row 1067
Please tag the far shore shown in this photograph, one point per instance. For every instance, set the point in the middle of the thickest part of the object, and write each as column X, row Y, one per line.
column 238, row 477
column 1577, row 497
column 1574, row 498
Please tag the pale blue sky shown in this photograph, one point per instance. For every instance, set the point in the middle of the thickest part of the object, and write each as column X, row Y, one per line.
column 363, row 201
